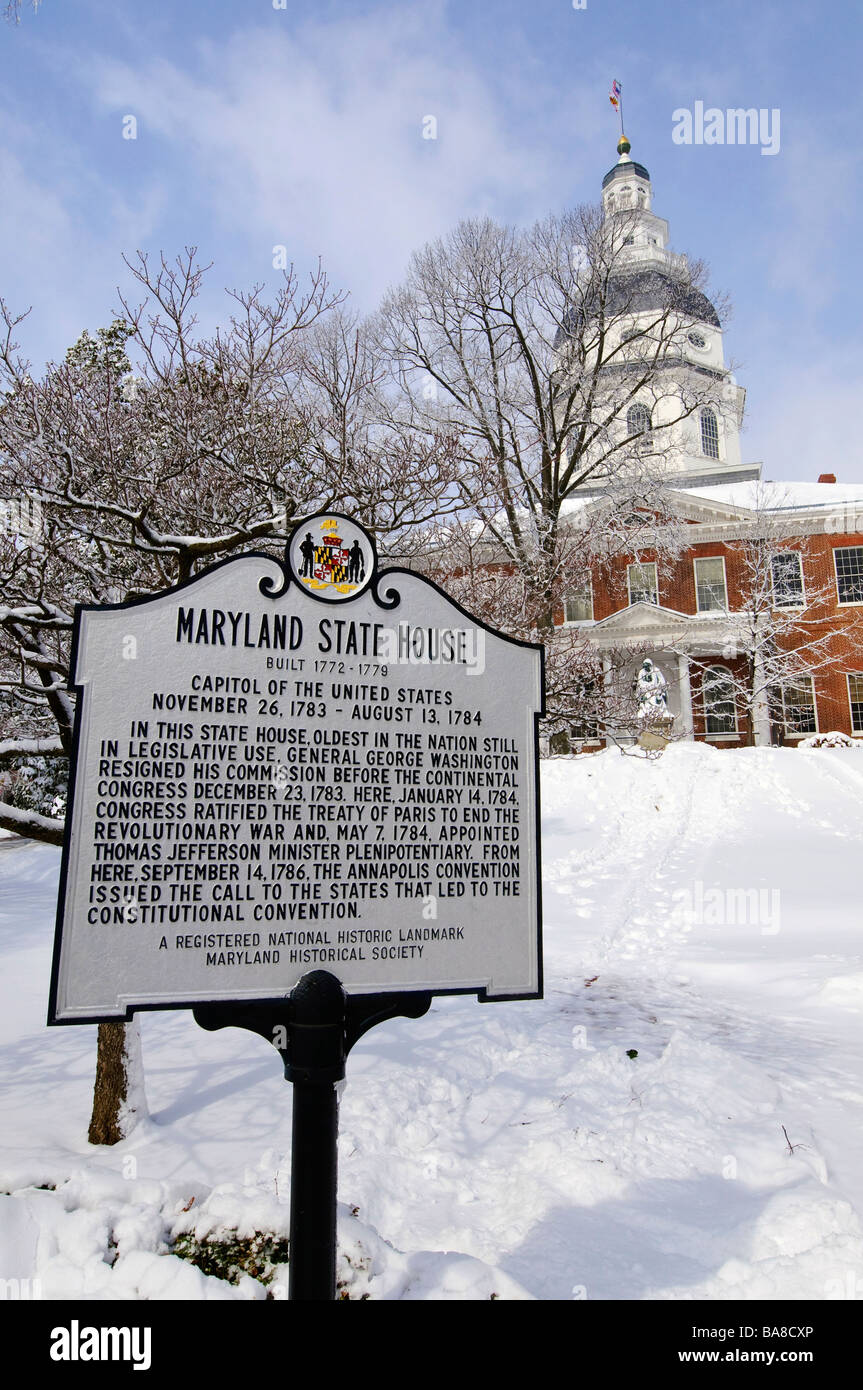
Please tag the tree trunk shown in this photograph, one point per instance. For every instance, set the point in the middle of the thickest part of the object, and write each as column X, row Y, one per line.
column 118, row 1094
column 119, row 1099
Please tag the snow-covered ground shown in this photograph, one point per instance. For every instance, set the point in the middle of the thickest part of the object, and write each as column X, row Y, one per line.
column 701, row 911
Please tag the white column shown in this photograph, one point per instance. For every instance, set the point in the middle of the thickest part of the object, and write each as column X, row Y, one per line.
column 606, row 679
column 685, row 695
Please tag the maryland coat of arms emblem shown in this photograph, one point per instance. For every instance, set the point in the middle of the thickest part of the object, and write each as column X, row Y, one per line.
column 331, row 556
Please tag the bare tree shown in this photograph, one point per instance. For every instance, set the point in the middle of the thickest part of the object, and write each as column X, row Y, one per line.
column 207, row 446
column 149, row 451
column 528, row 348
column 397, row 479
column 582, row 690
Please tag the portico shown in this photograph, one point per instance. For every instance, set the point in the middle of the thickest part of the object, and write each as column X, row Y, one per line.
column 674, row 641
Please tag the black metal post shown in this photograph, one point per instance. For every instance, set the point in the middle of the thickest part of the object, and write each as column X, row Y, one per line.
column 314, row 1177
column 316, row 1063
column 313, row 1030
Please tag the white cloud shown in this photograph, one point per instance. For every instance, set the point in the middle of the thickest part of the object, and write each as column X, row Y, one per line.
column 817, row 183
column 314, row 139
column 307, row 134
column 62, row 228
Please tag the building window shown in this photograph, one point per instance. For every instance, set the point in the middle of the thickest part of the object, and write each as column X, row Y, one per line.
column 855, row 698
column 643, row 587
column 849, row 573
column 786, row 570
column 578, row 607
column 587, row 728
column 720, row 711
column 637, row 419
column 798, row 706
column 710, row 592
column 709, row 433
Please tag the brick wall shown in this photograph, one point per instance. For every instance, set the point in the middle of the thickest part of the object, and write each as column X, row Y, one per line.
column 845, row 623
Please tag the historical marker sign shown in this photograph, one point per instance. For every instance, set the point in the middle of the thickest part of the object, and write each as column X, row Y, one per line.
column 289, row 768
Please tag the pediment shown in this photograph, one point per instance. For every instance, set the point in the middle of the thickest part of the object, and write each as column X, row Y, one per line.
column 644, row 618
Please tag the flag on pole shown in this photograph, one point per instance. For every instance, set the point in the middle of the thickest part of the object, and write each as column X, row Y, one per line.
column 614, row 94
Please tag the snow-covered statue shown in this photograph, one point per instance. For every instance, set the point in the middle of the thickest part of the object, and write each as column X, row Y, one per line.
column 651, row 692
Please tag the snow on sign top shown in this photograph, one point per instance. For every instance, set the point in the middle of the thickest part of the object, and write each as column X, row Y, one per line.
column 282, row 767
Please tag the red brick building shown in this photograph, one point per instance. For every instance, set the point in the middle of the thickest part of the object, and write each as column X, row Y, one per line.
column 696, row 614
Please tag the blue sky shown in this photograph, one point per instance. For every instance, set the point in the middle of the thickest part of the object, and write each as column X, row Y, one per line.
column 303, row 127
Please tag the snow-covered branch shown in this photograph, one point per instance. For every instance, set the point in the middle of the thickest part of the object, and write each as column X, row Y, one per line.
column 30, row 824
column 31, row 747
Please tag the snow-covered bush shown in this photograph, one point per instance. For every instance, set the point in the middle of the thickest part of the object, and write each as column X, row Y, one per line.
column 228, row 1256
column 832, row 740
column 36, row 784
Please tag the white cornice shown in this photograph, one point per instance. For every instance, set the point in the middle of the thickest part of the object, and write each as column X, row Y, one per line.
column 663, row 627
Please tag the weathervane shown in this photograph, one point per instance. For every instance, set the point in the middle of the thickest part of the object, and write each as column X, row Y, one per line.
column 615, row 96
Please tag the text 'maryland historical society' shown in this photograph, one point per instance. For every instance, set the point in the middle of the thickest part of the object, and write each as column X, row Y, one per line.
column 282, row 770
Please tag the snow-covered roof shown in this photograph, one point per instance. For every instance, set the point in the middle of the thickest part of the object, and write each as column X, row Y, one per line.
column 779, row 496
